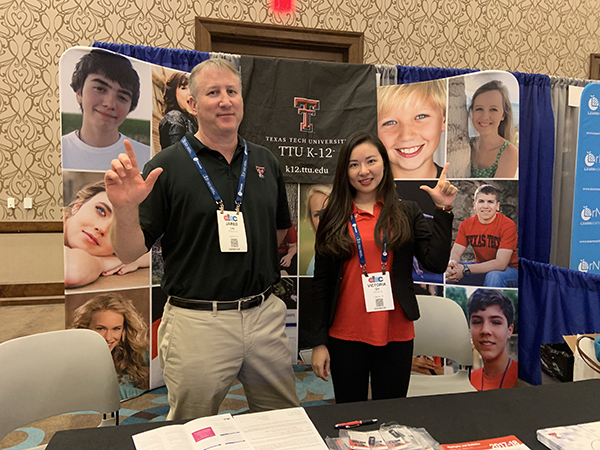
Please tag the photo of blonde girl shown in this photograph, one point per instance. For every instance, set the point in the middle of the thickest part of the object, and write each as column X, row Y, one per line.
column 492, row 153
column 126, row 333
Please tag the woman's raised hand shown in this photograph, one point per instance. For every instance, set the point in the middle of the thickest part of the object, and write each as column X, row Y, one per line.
column 444, row 192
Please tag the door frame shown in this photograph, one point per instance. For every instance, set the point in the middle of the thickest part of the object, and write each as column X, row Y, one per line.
column 215, row 35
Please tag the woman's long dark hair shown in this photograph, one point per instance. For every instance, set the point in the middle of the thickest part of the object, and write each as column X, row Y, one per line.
column 177, row 80
column 333, row 238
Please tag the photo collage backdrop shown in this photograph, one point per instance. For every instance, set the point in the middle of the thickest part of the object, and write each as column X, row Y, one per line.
column 302, row 111
column 103, row 97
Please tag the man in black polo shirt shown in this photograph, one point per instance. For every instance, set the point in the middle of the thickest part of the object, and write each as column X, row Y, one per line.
column 221, row 209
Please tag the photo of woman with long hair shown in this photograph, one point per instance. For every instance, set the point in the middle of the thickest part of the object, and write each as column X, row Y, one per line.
column 492, row 153
column 88, row 251
column 363, row 295
column 178, row 115
column 117, row 320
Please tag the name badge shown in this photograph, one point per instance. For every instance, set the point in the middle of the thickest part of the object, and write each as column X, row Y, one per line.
column 232, row 232
column 377, row 289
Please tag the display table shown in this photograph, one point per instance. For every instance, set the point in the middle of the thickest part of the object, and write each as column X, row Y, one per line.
column 448, row 418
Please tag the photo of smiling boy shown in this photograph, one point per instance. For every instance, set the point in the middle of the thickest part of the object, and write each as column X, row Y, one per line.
column 491, row 320
column 107, row 89
column 493, row 238
column 410, row 121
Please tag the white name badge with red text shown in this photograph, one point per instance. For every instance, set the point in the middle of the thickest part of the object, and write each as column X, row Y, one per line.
column 232, row 232
column 377, row 289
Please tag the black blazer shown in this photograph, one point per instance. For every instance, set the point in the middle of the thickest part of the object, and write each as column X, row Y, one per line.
column 431, row 244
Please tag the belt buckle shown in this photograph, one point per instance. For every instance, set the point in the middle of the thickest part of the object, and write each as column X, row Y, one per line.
column 264, row 295
column 244, row 303
column 261, row 299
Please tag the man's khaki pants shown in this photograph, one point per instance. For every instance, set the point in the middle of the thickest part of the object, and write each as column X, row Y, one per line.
column 202, row 353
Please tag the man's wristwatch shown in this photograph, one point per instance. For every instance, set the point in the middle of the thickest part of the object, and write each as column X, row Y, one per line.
column 466, row 271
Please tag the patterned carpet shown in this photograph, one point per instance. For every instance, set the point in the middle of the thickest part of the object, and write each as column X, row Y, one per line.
column 153, row 407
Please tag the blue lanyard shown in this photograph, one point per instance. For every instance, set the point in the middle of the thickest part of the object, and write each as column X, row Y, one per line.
column 208, row 181
column 361, row 251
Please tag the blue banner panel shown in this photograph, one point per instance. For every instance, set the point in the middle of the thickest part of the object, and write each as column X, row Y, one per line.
column 585, row 238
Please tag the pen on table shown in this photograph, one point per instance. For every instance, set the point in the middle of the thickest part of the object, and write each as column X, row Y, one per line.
column 354, row 423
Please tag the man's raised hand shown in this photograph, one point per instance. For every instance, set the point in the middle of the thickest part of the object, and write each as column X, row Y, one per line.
column 125, row 186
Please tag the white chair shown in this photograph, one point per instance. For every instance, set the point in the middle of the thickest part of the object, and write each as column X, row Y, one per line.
column 442, row 330
column 47, row 374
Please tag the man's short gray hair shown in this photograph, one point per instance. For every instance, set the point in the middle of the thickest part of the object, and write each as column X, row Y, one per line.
column 215, row 63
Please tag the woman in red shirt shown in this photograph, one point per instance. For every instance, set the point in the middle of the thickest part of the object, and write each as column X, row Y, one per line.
column 364, row 301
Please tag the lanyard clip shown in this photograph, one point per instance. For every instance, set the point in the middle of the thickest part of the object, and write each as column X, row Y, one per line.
column 364, row 269
column 221, row 206
column 383, row 268
column 237, row 207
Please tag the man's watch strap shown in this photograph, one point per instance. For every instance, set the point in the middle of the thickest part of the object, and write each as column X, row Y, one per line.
column 466, row 270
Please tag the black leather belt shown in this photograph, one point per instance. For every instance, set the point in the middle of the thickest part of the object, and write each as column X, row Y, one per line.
column 208, row 305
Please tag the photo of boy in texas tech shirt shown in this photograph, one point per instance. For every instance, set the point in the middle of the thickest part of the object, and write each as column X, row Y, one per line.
column 493, row 237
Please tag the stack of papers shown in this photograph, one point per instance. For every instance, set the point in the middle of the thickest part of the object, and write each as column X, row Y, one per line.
column 283, row 429
column 585, row 436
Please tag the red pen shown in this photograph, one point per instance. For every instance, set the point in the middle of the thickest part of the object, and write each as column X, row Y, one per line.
column 354, row 423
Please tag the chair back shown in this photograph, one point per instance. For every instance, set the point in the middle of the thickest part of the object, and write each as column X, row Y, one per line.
column 47, row 374
column 442, row 330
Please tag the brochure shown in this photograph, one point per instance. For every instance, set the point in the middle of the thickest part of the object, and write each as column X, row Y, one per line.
column 508, row 442
column 584, row 436
column 199, row 434
column 283, row 429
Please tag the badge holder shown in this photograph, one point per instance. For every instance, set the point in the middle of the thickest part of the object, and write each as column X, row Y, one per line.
column 232, row 231
column 377, row 288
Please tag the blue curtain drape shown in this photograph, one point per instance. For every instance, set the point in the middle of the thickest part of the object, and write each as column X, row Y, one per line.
column 414, row 74
column 176, row 59
column 536, row 166
column 556, row 302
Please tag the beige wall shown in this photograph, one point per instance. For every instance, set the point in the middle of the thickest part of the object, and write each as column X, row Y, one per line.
column 31, row 258
column 553, row 37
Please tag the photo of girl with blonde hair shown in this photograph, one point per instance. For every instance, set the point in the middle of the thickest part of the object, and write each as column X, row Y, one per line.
column 492, row 153
column 118, row 321
column 88, row 251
